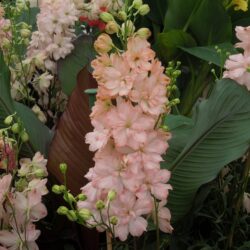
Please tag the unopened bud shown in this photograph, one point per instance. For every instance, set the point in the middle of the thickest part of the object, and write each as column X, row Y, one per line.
column 24, row 136
column 111, row 195
column 106, row 17
column 114, row 220
column 63, row 168
column 71, row 215
column 8, row 120
column 128, row 28
column 62, row 188
column 103, row 44
column 39, row 173
column 56, row 189
column 137, row 4
column 62, row 210
column 15, row 128
column 82, row 197
column 69, row 198
column 122, row 15
column 84, row 214
column 100, row 205
column 6, row 43
column 165, row 128
column 144, row 9
column 112, row 27
column 25, row 33
column 144, row 33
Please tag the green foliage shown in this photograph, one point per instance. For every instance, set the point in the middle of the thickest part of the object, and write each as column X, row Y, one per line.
column 33, row 126
column 69, row 67
column 217, row 134
column 210, row 54
column 168, row 43
column 207, row 20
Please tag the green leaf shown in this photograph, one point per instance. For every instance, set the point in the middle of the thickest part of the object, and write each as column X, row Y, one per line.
column 69, row 67
column 207, row 20
column 217, row 134
column 210, row 54
column 38, row 142
column 168, row 43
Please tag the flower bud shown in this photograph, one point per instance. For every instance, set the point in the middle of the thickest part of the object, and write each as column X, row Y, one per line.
column 6, row 43
column 62, row 210
column 15, row 128
column 114, row 220
column 128, row 28
column 71, row 215
column 137, row 4
column 84, row 214
column 82, row 197
column 122, row 15
column 106, row 17
column 63, row 168
column 21, row 184
column 39, row 173
column 100, row 205
column 144, row 10
column 24, row 136
column 62, row 188
column 8, row 120
column 69, row 198
column 144, row 33
column 112, row 27
column 103, row 44
column 111, row 195
column 25, row 33
column 56, row 189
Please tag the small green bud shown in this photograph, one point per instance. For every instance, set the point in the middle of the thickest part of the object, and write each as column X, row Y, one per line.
column 15, row 128
column 25, row 33
column 122, row 15
column 24, row 136
column 8, row 120
column 6, row 43
column 62, row 188
column 56, row 189
column 100, row 205
column 112, row 27
column 69, row 198
column 128, row 28
column 63, row 168
column 143, row 33
column 111, row 195
column 39, row 173
column 144, row 10
column 174, row 87
column 177, row 73
column 62, row 210
column 106, row 17
column 21, row 184
column 114, row 220
column 137, row 4
column 71, row 215
column 165, row 128
column 175, row 101
column 84, row 214
column 82, row 197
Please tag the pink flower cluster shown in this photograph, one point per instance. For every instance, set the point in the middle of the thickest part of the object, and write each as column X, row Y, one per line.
column 5, row 34
column 238, row 65
column 132, row 95
column 55, row 24
column 21, row 204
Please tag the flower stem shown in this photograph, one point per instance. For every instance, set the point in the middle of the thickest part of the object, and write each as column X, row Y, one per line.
column 157, row 225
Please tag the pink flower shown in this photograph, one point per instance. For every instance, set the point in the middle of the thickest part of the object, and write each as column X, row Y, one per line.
column 139, row 54
column 129, row 124
column 117, row 78
column 243, row 34
column 12, row 240
column 237, row 68
column 5, row 182
column 129, row 211
column 164, row 218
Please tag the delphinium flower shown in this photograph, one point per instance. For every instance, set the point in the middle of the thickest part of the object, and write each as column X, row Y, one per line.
column 238, row 65
column 22, row 187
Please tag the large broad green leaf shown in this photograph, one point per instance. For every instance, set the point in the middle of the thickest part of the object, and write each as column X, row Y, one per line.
column 217, row 134
column 168, row 43
column 69, row 67
column 40, row 135
column 207, row 20
column 210, row 54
